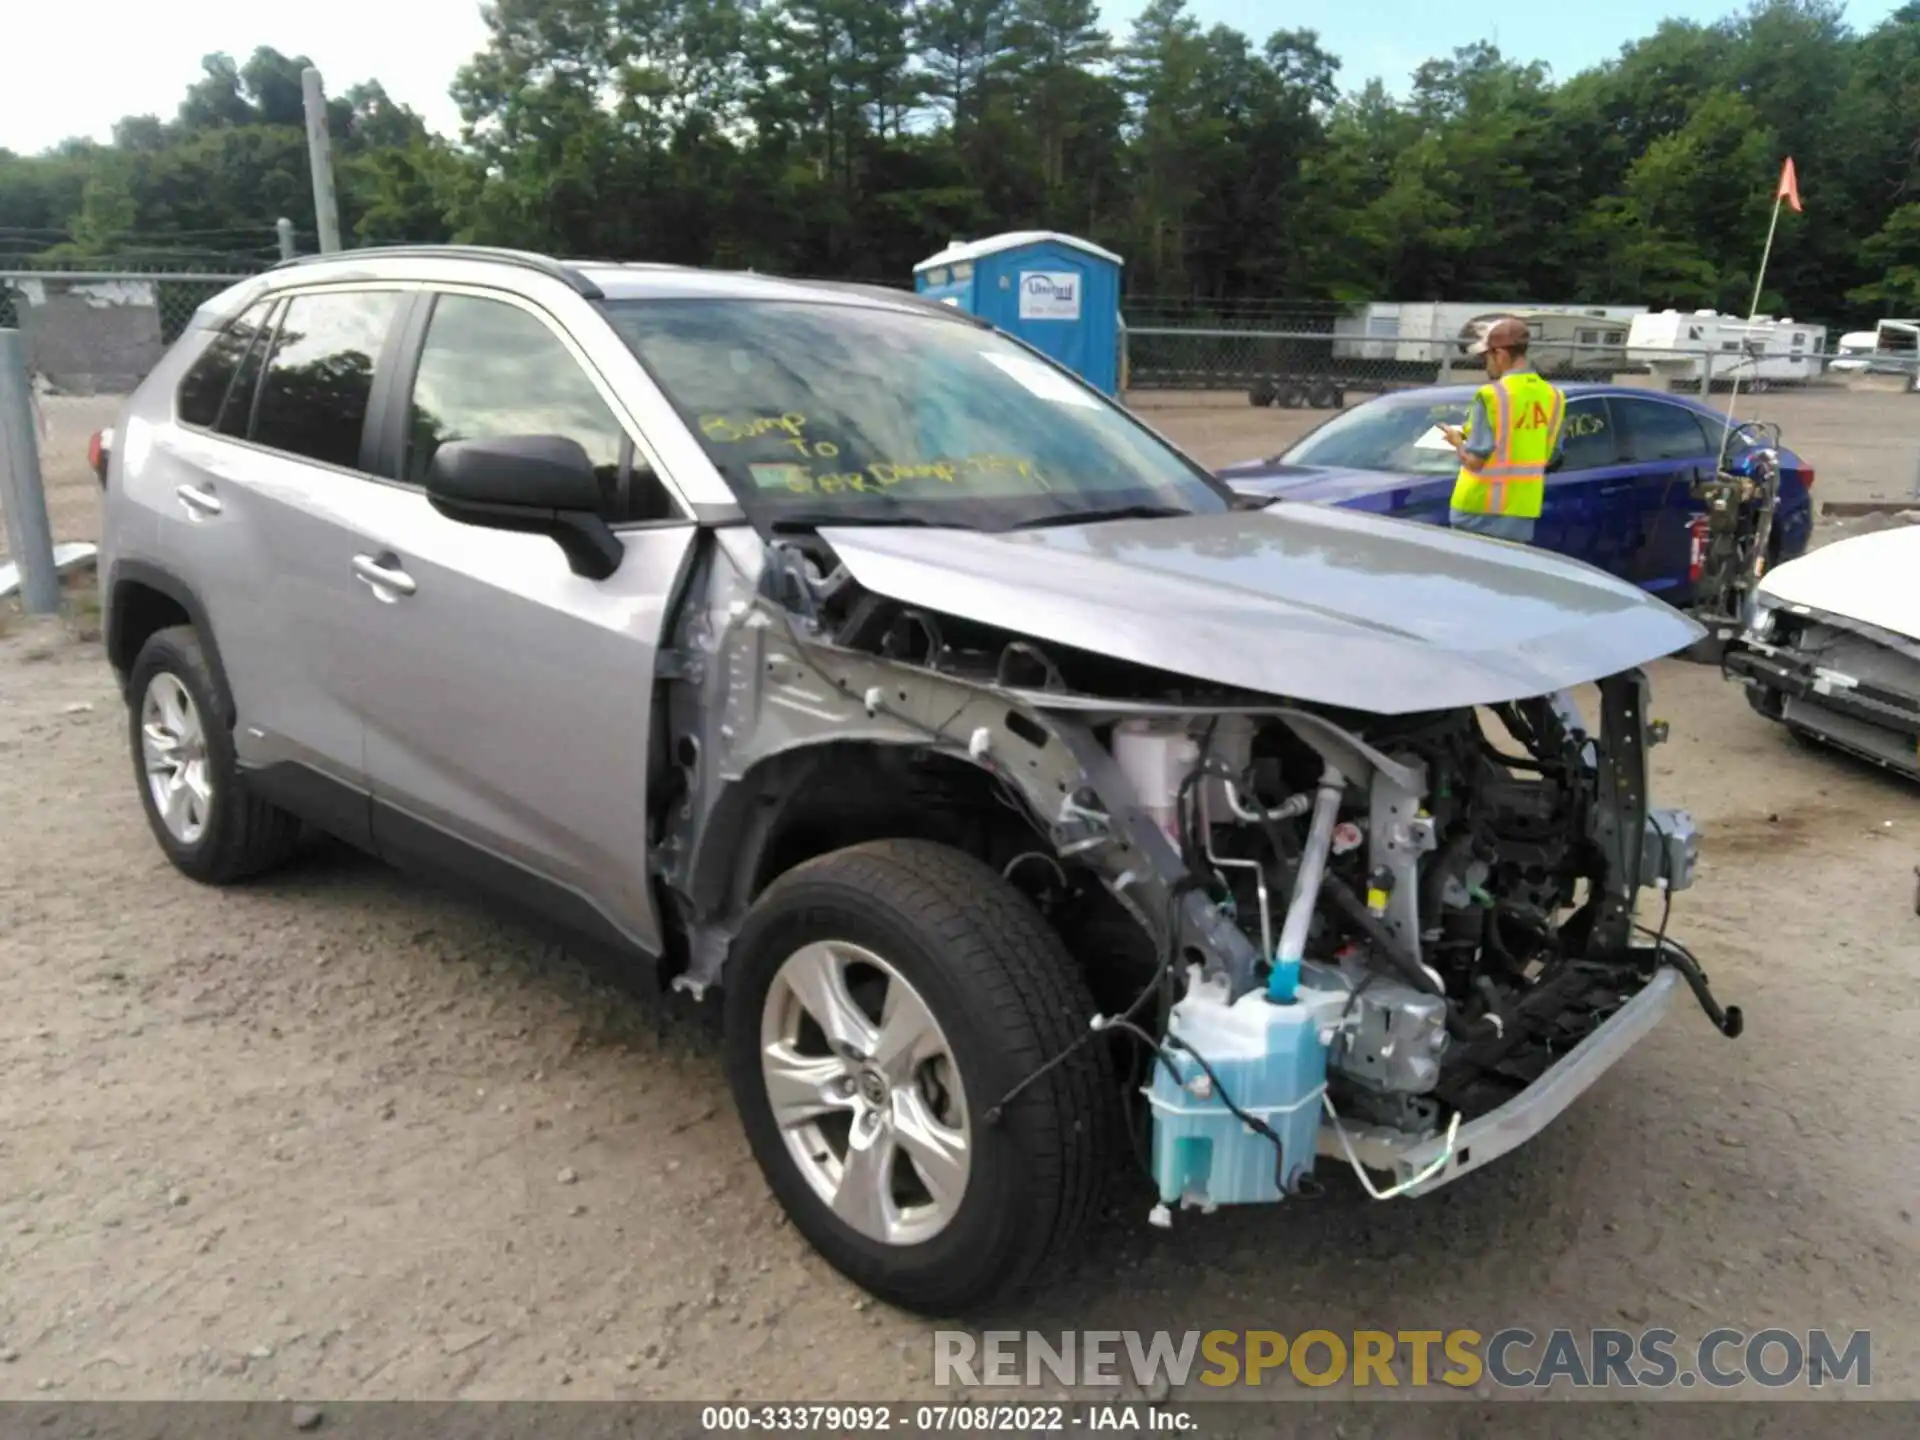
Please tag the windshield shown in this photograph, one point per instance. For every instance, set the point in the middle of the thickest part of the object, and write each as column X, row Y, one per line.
column 827, row 413
column 1401, row 436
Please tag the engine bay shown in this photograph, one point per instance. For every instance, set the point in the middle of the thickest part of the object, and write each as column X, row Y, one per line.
column 1320, row 929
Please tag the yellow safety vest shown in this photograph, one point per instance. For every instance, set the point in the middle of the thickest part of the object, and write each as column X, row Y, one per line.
column 1526, row 412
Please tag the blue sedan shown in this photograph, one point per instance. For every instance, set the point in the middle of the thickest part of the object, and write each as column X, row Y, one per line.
column 1620, row 498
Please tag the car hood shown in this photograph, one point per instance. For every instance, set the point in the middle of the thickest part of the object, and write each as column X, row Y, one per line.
column 1324, row 485
column 1303, row 601
column 1869, row 578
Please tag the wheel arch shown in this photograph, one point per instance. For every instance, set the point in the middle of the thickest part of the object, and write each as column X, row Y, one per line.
column 822, row 797
column 807, row 801
column 144, row 599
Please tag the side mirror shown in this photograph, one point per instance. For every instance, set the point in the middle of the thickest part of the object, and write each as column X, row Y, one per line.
column 536, row 484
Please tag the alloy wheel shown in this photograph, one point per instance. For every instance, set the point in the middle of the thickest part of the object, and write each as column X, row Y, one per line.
column 173, row 748
column 865, row 1090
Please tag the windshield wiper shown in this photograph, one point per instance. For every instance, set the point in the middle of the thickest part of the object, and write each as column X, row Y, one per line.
column 1115, row 512
column 814, row 520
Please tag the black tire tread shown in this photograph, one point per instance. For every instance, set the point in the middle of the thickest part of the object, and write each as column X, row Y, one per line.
column 999, row 945
column 251, row 836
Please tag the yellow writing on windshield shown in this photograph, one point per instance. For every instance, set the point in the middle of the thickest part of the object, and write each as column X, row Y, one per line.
column 950, row 471
column 725, row 430
column 788, row 429
column 879, row 478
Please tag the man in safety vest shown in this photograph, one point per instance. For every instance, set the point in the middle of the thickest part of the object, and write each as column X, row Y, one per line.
column 1512, row 436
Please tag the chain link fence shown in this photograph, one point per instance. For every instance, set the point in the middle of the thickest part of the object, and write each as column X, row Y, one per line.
column 1298, row 367
column 99, row 331
column 1314, row 317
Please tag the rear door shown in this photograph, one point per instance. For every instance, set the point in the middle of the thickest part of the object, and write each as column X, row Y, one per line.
column 274, row 495
column 507, row 700
column 1669, row 448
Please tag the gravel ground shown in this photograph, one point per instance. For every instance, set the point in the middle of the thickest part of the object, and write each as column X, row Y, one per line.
column 337, row 1133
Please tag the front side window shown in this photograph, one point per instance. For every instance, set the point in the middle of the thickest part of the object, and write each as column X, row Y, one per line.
column 1587, row 439
column 823, row 413
column 205, row 386
column 489, row 371
column 313, row 397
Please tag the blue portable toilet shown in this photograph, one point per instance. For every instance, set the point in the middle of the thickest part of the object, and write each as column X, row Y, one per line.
column 1058, row 293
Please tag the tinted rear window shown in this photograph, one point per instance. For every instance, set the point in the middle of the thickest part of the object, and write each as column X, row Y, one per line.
column 205, row 387
column 313, row 398
column 236, row 416
column 1659, row 431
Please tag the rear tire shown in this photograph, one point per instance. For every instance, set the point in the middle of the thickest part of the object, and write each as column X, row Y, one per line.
column 195, row 797
column 1293, row 395
column 926, row 939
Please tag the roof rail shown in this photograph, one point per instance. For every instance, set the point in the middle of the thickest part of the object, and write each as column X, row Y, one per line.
column 525, row 259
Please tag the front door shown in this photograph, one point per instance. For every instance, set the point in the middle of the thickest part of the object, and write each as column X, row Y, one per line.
column 508, row 700
column 1583, row 513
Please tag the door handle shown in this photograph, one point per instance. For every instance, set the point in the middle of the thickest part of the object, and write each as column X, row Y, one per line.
column 387, row 579
column 200, row 502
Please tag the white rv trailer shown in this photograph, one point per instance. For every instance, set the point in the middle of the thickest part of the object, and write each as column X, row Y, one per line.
column 1892, row 347
column 1896, row 347
column 1429, row 331
column 1564, row 345
column 1688, row 350
column 1854, row 354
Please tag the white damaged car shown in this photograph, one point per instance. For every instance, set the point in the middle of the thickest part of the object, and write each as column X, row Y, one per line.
column 1832, row 647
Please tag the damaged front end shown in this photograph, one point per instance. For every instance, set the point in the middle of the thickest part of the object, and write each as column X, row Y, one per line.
column 1405, row 940
column 1839, row 679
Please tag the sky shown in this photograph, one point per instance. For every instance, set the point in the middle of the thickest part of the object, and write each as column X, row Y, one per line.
column 80, row 85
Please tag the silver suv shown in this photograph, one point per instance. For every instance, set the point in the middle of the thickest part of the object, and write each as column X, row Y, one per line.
column 1030, row 797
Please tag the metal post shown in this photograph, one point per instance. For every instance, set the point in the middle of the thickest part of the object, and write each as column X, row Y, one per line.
column 320, row 156
column 29, row 536
column 283, row 227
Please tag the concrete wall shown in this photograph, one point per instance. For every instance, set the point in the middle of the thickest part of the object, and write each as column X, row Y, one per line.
column 96, row 337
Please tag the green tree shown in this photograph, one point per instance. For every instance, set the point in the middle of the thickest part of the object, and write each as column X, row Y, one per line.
column 1893, row 253
column 853, row 137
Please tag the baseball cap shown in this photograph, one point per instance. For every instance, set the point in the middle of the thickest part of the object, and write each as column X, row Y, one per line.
column 1501, row 334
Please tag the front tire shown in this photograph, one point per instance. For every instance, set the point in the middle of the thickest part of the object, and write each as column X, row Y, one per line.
column 195, row 797
column 881, row 1001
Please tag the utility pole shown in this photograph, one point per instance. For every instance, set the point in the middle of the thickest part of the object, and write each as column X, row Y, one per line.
column 29, row 536
column 320, row 156
column 283, row 227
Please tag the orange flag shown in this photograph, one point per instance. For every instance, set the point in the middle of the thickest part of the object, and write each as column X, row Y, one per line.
column 1789, row 190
